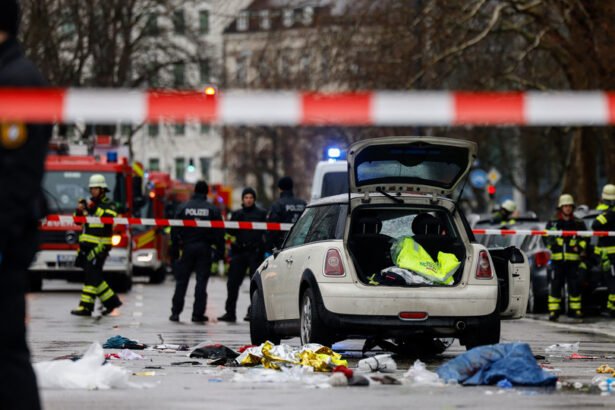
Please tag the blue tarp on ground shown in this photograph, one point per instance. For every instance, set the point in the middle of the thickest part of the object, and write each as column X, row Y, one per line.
column 490, row 364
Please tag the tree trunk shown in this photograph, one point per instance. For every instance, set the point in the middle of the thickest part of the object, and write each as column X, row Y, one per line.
column 580, row 179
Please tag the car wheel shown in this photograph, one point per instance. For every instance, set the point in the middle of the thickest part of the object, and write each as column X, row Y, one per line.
column 260, row 328
column 312, row 328
column 486, row 333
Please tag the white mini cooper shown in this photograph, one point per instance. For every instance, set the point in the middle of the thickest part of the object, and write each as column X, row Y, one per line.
column 329, row 281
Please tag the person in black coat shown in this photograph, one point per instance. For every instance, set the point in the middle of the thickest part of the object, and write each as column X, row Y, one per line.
column 22, row 155
column 247, row 249
column 287, row 209
column 195, row 247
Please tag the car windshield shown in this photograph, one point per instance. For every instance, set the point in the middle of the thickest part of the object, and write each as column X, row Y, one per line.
column 411, row 164
column 63, row 189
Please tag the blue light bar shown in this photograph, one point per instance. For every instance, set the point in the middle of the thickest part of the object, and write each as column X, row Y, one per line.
column 334, row 153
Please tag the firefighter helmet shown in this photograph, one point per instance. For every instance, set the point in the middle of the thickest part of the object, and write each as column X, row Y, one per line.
column 98, row 181
column 509, row 205
column 565, row 199
column 608, row 192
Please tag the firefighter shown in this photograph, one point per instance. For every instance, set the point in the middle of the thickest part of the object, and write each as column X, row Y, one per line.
column 194, row 247
column 605, row 248
column 607, row 190
column 504, row 215
column 247, row 247
column 566, row 254
column 287, row 209
column 22, row 155
column 94, row 247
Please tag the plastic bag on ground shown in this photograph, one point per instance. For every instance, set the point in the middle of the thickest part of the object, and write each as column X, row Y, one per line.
column 489, row 364
column 129, row 355
column 383, row 363
column 563, row 348
column 85, row 373
column 418, row 375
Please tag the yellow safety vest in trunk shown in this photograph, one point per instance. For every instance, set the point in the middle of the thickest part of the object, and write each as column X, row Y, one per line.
column 409, row 254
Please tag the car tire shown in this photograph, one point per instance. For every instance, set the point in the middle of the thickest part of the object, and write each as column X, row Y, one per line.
column 486, row 333
column 313, row 329
column 261, row 330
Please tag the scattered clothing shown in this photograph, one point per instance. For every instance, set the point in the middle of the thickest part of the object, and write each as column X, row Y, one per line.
column 120, row 342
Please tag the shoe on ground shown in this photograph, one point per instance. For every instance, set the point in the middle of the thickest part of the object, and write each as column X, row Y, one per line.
column 577, row 314
column 227, row 318
column 108, row 309
column 174, row 318
column 247, row 317
column 81, row 311
column 553, row 316
column 200, row 319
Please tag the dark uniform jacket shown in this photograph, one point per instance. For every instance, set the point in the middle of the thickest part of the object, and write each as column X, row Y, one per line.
column 198, row 208
column 22, row 150
column 606, row 222
column 287, row 209
column 566, row 248
column 97, row 237
column 246, row 239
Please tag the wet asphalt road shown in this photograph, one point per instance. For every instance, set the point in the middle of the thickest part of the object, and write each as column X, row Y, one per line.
column 54, row 332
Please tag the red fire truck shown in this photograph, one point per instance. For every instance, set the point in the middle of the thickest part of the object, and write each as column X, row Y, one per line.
column 65, row 182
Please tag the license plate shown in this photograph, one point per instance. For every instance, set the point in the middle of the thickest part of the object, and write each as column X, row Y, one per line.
column 66, row 260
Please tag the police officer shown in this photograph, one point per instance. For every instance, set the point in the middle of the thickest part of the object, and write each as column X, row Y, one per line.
column 247, row 247
column 194, row 246
column 94, row 247
column 22, row 155
column 504, row 215
column 287, row 209
column 566, row 254
column 606, row 244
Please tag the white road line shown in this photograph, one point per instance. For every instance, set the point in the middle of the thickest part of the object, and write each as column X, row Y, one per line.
column 137, row 314
column 138, row 304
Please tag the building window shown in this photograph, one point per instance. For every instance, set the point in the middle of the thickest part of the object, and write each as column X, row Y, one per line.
column 153, row 130
column 264, row 21
column 241, row 74
column 126, row 129
column 308, row 15
column 154, row 164
column 180, row 168
column 204, row 71
column 151, row 25
column 205, row 128
column 242, row 22
column 179, row 73
column 204, row 21
column 205, row 167
column 180, row 129
column 288, row 17
column 179, row 22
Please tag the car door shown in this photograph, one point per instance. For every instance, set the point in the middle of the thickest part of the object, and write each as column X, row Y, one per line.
column 275, row 278
column 513, row 273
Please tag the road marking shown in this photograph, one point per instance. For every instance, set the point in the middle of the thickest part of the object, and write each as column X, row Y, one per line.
column 137, row 314
column 139, row 297
column 138, row 304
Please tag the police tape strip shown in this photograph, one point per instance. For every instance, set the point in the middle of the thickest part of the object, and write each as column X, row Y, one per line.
column 63, row 220
column 381, row 108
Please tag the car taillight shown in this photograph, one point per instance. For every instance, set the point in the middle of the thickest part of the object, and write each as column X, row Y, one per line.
column 413, row 315
column 542, row 258
column 483, row 270
column 333, row 263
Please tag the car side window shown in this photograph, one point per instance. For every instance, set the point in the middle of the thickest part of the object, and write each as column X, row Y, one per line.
column 325, row 224
column 301, row 228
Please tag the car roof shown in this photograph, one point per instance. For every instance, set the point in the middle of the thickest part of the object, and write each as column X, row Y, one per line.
column 343, row 198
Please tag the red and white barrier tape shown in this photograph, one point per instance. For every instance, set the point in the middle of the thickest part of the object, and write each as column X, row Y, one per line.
column 383, row 108
column 64, row 220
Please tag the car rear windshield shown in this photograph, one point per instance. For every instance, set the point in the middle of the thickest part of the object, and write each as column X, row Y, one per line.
column 411, row 164
column 334, row 183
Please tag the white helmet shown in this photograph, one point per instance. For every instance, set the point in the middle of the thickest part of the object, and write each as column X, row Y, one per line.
column 98, row 181
column 565, row 199
column 509, row 205
column 608, row 192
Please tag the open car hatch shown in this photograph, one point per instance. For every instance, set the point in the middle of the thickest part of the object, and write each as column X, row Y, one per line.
column 409, row 164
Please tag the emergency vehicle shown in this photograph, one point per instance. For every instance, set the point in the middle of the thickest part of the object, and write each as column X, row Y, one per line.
column 65, row 182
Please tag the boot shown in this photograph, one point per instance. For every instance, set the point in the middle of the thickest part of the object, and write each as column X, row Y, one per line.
column 553, row 315
column 111, row 305
column 227, row 318
column 81, row 311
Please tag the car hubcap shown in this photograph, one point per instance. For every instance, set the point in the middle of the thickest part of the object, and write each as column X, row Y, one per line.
column 306, row 320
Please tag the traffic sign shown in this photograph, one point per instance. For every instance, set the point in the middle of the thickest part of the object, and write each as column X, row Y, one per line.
column 478, row 178
column 494, row 176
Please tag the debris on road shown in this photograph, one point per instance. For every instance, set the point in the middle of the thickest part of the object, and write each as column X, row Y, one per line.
column 318, row 357
column 383, row 363
column 212, row 351
column 187, row 363
column 297, row 374
column 562, row 348
column 604, row 383
column 605, row 369
column 127, row 354
column 90, row 372
column 487, row 365
column 418, row 375
column 121, row 342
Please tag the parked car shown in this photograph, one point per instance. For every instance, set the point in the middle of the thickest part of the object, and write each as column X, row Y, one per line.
column 330, row 178
column 537, row 254
column 318, row 285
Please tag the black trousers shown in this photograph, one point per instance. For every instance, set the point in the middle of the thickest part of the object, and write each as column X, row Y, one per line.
column 241, row 261
column 18, row 389
column 610, row 282
column 195, row 258
column 94, row 284
column 565, row 272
